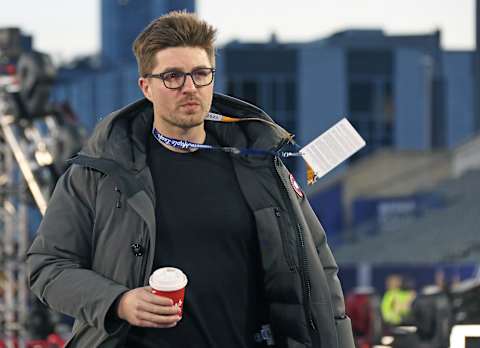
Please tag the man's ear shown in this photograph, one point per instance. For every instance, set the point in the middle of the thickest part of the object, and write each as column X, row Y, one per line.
column 144, row 85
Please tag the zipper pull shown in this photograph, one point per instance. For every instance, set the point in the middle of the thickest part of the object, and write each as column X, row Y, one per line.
column 137, row 249
column 312, row 324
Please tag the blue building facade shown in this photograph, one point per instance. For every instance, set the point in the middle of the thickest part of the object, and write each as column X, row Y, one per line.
column 401, row 92
column 390, row 87
column 263, row 74
column 123, row 20
column 398, row 91
column 323, row 98
column 477, row 69
column 460, row 115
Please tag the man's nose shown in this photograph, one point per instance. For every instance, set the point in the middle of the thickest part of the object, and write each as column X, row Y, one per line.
column 189, row 85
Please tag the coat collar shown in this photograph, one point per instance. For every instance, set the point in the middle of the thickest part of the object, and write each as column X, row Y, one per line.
column 123, row 135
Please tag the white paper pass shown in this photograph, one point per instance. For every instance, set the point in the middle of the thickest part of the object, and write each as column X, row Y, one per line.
column 332, row 147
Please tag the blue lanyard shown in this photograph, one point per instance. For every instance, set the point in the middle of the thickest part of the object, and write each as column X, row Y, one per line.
column 187, row 145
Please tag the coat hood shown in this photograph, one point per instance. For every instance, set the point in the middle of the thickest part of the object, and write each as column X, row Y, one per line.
column 122, row 136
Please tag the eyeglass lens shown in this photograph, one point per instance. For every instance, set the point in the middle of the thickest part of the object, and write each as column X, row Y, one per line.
column 176, row 79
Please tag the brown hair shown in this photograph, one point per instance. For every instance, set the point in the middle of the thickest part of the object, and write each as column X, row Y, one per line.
column 175, row 29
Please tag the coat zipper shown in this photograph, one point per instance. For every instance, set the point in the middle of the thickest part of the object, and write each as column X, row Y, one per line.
column 140, row 243
column 143, row 265
column 286, row 251
column 304, row 266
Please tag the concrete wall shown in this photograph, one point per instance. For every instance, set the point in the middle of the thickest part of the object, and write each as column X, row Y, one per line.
column 322, row 96
column 458, row 70
column 220, row 72
column 413, row 100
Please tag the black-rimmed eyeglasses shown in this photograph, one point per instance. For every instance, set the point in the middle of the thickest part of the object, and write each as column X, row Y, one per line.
column 176, row 79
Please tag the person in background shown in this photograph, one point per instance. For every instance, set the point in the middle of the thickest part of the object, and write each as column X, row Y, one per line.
column 363, row 308
column 397, row 300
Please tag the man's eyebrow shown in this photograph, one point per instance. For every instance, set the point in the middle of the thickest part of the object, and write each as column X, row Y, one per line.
column 173, row 68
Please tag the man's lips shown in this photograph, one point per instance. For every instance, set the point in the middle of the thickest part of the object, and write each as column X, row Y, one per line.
column 189, row 101
column 190, row 105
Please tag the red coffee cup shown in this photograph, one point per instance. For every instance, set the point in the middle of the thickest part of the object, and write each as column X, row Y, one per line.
column 169, row 282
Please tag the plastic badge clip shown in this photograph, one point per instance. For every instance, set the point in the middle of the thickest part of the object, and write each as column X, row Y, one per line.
column 265, row 334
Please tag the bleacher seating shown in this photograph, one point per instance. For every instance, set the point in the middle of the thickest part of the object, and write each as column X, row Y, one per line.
column 449, row 233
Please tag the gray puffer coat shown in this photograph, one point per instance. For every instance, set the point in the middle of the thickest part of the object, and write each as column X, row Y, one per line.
column 97, row 238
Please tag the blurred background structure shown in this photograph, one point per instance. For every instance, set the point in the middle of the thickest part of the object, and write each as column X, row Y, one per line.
column 408, row 204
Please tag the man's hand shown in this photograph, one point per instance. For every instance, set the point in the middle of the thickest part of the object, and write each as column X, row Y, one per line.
column 142, row 308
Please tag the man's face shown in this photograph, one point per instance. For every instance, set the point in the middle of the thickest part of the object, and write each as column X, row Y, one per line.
column 185, row 107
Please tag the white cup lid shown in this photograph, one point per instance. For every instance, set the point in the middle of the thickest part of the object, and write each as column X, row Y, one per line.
column 168, row 279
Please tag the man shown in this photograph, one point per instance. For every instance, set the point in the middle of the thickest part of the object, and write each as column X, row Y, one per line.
column 258, row 265
column 397, row 300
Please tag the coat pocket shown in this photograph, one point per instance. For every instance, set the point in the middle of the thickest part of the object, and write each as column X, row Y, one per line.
column 276, row 240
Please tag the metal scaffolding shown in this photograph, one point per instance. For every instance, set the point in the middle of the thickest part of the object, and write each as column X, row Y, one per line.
column 14, row 219
column 36, row 137
column 15, row 173
column 21, row 179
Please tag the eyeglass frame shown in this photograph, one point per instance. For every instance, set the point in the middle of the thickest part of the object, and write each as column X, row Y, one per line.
column 184, row 74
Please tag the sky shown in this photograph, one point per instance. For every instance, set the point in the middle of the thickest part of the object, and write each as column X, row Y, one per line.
column 69, row 28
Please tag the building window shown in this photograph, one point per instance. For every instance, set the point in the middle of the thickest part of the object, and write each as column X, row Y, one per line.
column 250, row 92
column 231, row 88
column 290, row 96
column 388, row 103
column 273, row 96
column 360, row 95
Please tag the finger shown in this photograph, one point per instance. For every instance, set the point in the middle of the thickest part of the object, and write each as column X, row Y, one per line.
column 158, row 309
column 158, row 319
column 148, row 295
column 165, row 326
column 158, row 300
column 146, row 323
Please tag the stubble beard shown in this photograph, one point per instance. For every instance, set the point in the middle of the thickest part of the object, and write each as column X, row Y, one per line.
column 186, row 120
